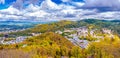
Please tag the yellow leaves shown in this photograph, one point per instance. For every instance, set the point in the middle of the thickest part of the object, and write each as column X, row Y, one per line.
column 110, row 38
column 77, row 52
column 116, row 38
column 90, row 26
column 51, row 27
column 36, row 56
column 106, row 47
column 47, row 45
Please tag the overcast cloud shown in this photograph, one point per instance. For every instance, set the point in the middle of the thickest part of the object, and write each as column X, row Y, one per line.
column 107, row 5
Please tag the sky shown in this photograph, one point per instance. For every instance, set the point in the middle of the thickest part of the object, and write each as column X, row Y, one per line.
column 52, row 10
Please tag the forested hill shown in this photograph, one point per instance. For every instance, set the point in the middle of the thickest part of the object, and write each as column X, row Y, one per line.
column 113, row 25
column 94, row 23
column 47, row 43
column 110, row 24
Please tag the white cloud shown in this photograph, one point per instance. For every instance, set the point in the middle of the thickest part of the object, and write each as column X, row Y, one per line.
column 48, row 10
column 66, row 0
column 32, row 8
column 104, row 15
column 48, row 4
column 36, row 14
column 28, row 13
column 11, row 10
column 78, row 3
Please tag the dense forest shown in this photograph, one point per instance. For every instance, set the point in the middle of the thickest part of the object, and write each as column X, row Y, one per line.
column 45, row 45
column 54, row 45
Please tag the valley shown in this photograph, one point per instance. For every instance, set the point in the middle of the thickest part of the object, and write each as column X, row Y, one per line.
column 70, row 39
